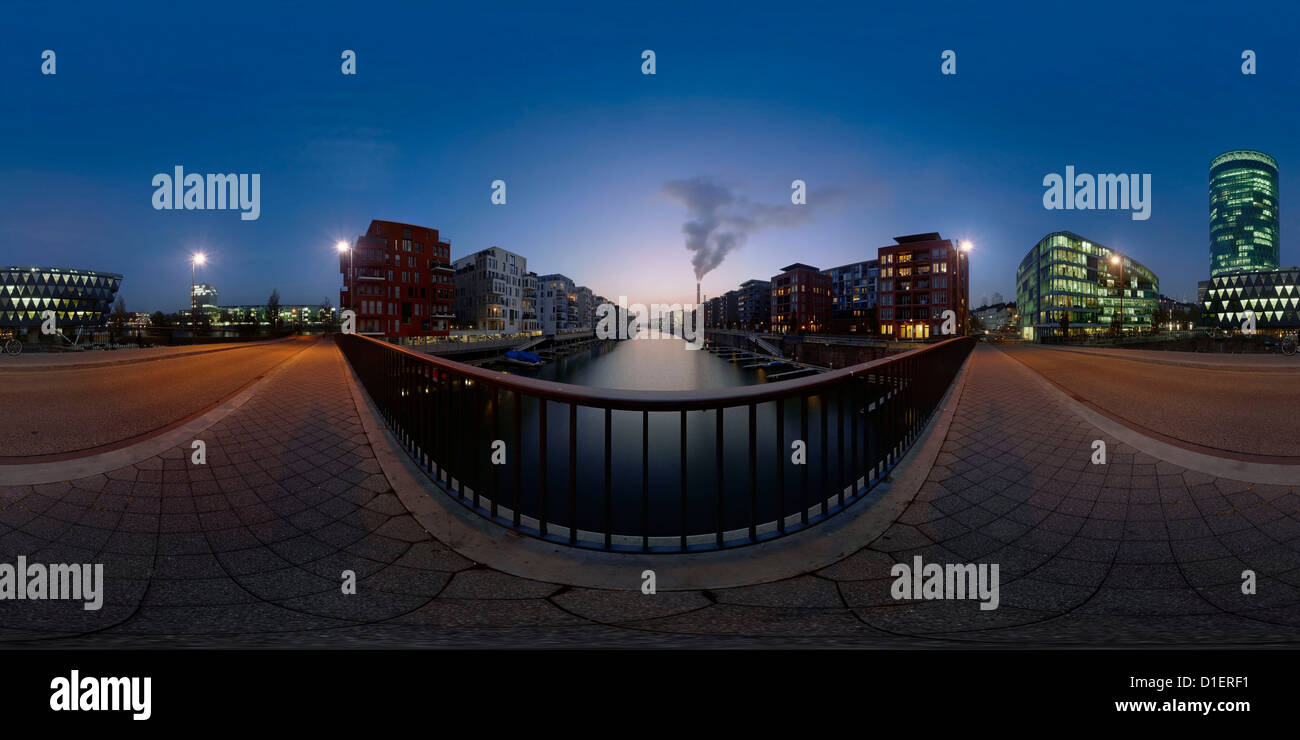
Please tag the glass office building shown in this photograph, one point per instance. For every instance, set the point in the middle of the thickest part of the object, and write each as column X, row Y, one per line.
column 1069, row 285
column 78, row 298
column 1244, row 233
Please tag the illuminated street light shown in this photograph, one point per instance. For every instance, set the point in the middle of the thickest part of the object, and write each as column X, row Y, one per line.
column 343, row 246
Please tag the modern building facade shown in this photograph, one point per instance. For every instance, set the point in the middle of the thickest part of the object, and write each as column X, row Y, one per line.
column 723, row 312
column 853, row 295
column 754, row 305
column 921, row 277
column 80, row 299
column 289, row 314
column 585, row 302
column 1070, row 286
column 402, row 283
column 801, row 300
column 1244, row 233
column 557, row 303
column 490, row 290
column 529, row 303
column 1273, row 296
column 712, row 312
column 995, row 317
column 731, row 309
column 204, row 295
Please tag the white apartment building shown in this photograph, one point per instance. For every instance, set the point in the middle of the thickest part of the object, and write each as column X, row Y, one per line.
column 490, row 290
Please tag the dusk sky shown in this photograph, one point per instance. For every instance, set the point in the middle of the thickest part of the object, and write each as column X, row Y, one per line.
column 549, row 97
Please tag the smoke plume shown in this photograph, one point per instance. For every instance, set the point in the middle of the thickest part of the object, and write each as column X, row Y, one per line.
column 720, row 221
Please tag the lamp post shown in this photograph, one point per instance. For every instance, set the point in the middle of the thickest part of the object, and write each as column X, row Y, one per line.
column 1115, row 260
column 963, row 263
column 345, row 247
column 199, row 258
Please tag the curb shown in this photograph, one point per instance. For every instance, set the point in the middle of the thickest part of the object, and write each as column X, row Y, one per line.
column 812, row 549
column 1221, row 467
column 30, row 474
column 1266, row 369
column 55, row 367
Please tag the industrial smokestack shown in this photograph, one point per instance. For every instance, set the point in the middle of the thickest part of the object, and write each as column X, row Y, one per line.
column 697, row 293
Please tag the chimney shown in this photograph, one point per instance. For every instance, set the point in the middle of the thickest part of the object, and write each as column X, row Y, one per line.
column 697, row 293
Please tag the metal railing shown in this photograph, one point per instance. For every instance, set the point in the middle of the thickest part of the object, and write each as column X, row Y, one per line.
column 655, row 470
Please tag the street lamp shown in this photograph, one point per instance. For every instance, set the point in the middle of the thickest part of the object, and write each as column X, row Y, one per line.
column 197, row 259
column 345, row 247
column 963, row 262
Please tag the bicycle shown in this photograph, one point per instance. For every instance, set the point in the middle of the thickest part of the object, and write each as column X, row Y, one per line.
column 1290, row 342
column 12, row 346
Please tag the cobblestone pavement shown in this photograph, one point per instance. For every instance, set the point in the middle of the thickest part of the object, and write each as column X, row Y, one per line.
column 248, row 549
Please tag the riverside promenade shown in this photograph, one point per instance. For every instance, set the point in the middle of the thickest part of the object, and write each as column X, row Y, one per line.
column 249, row 548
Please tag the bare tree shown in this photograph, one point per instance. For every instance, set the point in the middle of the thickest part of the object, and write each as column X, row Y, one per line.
column 273, row 310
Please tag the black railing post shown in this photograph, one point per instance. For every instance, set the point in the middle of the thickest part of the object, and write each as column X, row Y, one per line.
column 541, row 463
column 803, row 438
column 825, row 445
column 721, row 491
column 645, row 480
column 496, row 434
column 682, row 459
column 609, row 488
column 573, row 473
column 517, row 452
column 753, row 472
column 780, row 465
column 839, row 437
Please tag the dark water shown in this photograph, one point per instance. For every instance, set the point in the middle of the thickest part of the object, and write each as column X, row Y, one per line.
column 646, row 364
column 727, row 486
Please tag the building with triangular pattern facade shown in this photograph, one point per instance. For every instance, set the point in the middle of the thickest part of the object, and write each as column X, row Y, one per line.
column 78, row 298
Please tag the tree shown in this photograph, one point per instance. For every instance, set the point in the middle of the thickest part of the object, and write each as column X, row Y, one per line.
column 248, row 323
column 273, row 310
column 159, row 319
column 118, row 318
column 119, row 311
column 327, row 316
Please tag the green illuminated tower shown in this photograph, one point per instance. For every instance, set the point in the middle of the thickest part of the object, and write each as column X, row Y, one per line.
column 1243, row 212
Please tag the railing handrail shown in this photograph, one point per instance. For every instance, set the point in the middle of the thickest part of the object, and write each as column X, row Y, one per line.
column 658, row 400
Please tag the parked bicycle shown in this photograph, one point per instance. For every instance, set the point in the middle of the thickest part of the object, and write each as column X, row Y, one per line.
column 12, row 346
column 1290, row 341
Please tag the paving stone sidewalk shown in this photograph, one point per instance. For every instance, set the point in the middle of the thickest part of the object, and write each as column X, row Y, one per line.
column 248, row 550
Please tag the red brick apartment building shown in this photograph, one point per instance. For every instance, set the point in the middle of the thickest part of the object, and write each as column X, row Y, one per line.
column 402, row 283
column 801, row 300
column 921, row 277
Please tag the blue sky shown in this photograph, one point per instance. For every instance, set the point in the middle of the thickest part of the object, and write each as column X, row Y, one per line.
column 550, row 98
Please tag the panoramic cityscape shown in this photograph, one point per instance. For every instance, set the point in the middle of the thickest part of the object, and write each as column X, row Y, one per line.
column 647, row 338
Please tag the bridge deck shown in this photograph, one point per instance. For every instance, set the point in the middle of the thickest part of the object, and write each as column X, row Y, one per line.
column 248, row 549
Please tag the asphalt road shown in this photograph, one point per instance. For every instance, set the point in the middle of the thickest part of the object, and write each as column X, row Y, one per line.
column 59, row 411
column 1241, row 411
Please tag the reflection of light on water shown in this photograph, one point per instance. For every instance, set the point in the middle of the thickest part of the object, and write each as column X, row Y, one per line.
column 662, row 363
